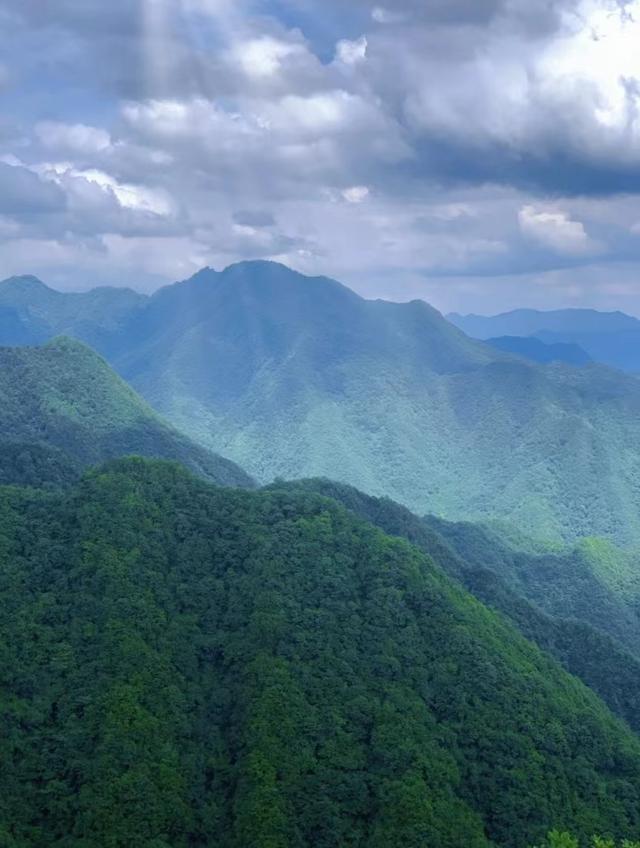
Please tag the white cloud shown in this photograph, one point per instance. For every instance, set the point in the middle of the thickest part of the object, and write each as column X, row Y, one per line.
column 137, row 197
column 356, row 194
column 386, row 16
column 352, row 52
column 554, row 229
column 264, row 57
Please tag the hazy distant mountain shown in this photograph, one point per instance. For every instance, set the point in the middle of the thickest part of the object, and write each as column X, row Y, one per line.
column 32, row 313
column 293, row 376
column 62, row 407
column 538, row 351
column 187, row 665
column 612, row 338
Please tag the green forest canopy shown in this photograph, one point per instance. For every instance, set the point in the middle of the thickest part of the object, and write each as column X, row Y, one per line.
column 183, row 664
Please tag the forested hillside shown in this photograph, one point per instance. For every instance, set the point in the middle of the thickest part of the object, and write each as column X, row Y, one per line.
column 62, row 407
column 187, row 665
column 593, row 633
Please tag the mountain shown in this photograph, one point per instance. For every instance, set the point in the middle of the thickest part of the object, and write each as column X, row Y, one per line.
column 63, row 408
column 538, row 351
column 291, row 376
column 563, row 602
column 32, row 313
column 189, row 665
column 612, row 338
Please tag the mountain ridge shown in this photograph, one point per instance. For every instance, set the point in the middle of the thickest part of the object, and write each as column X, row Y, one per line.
column 292, row 376
column 612, row 338
column 64, row 396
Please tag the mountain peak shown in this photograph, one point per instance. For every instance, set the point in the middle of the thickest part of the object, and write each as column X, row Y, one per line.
column 25, row 283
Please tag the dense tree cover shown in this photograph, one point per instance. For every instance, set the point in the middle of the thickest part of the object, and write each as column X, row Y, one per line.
column 185, row 665
column 593, row 581
column 36, row 464
column 483, row 561
column 562, row 839
column 293, row 376
column 65, row 398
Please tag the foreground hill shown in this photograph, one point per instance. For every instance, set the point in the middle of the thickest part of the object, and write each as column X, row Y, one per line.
column 62, row 408
column 294, row 377
column 612, row 338
column 576, row 605
column 188, row 665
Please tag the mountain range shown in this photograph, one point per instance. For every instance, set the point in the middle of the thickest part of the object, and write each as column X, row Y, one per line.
column 308, row 664
column 612, row 338
column 291, row 376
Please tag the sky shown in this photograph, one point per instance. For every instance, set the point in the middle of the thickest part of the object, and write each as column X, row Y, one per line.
column 482, row 155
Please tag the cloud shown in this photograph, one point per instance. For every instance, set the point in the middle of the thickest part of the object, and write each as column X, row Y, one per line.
column 265, row 56
column 555, row 230
column 381, row 15
column 24, row 193
column 255, row 218
column 72, row 138
column 352, row 52
column 356, row 194
column 449, row 144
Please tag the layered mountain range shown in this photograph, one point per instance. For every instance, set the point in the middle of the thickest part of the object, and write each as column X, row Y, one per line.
column 307, row 664
column 291, row 376
column 612, row 338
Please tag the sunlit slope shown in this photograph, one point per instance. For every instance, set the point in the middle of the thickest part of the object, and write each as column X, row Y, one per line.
column 64, row 398
column 189, row 665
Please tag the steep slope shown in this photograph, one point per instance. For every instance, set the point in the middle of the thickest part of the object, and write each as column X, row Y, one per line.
column 293, row 376
column 592, row 630
column 62, row 407
column 538, row 351
column 187, row 665
column 612, row 338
